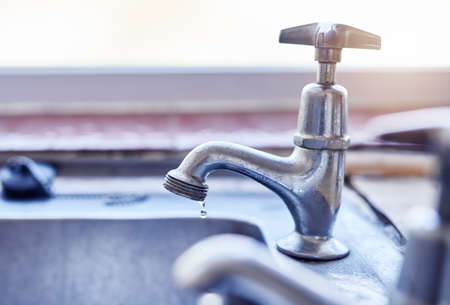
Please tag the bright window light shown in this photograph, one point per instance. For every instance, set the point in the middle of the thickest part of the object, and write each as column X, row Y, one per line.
column 232, row 33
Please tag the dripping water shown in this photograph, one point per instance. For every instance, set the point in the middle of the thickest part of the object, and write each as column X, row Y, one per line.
column 203, row 212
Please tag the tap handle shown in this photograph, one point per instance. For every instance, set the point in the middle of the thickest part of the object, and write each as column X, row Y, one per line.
column 329, row 39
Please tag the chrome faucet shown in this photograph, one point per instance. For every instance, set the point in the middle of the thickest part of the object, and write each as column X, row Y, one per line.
column 310, row 180
column 242, row 271
column 428, row 252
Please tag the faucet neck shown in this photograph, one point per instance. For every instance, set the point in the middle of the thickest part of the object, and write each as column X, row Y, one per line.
column 326, row 73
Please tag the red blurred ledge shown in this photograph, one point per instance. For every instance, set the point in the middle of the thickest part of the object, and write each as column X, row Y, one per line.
column 150, row 131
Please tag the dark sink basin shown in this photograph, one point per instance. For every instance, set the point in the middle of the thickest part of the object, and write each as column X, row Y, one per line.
column 96, row 262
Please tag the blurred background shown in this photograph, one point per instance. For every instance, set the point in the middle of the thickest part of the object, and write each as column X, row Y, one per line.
column 144, row 76
column 212, row 33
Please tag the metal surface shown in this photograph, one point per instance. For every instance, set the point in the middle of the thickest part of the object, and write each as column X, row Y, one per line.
column 242, row 266
column 122, row 261
column 330, row 38
column 365, row 276
column 310, row 180
column 444, row 176
column 326, row 73
column 425, row 276
column 246, row 269
column 322, row 118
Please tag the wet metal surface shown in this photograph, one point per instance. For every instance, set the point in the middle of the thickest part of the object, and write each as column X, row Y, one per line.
column 107, row 247
column 100, row 261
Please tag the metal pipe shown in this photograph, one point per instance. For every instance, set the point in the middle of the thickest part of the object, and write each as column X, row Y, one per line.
column 326, row 73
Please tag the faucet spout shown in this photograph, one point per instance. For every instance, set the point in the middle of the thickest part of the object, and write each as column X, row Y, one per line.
column 308, row 181
column 272, row 171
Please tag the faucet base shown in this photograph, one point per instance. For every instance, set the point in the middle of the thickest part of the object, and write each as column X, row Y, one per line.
column 311, row 247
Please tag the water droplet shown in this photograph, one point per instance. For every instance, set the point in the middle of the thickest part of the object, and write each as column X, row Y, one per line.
column 203, row 212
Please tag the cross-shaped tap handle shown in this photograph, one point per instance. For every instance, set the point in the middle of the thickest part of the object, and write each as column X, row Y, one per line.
column 329, row 39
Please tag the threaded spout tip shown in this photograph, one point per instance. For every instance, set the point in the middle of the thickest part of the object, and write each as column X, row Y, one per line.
column 185, row 189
